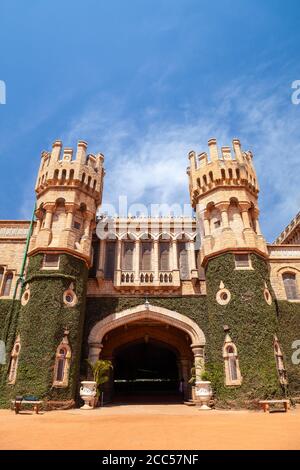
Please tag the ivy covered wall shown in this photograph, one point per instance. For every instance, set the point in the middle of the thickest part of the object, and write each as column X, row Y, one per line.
column 288, row 332
column 41, row 326
column 252, row 324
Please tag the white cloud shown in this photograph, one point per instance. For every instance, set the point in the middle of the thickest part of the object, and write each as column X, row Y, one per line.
column 148, row 162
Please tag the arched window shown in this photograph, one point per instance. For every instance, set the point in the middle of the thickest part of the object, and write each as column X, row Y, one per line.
column 231, row 363
column 164, row 255
column 279, row 362
column 14, row 359
column 128, row 250
column 146, row 255
column 290, row 285
column 183, row 261
column 7, row 284
column 62, row 363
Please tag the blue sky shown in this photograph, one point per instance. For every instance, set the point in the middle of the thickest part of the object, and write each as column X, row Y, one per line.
column 144, row 82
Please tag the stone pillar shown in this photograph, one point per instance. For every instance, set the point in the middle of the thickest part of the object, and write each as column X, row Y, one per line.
column 94, row 351
column 248, row 232
column 245, row 216
column 192, row 260
column 207, row 245
column 137, row 250
column 198, row 352
column 87, row 239
column 45, row 234
column 69, row 219
column 118, row 269
column 100, row 271
column 174, row 255
column 206, row 226
column 228, row 237
column 155, row 260
column 119, row 255
column 67, row 236
column 174, row 264
column 48, row 218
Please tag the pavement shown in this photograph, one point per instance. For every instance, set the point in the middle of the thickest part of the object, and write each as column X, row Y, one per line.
column 151, row 426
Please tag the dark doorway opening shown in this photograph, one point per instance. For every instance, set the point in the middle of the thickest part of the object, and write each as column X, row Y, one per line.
column 146, row 371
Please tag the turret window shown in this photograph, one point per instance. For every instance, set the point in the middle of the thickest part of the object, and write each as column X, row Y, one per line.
column 242, row 261
column 290, row 285
column 62, row 363
column 7, row 283
column 51, row 261
column 231, row 362
column 164, row 254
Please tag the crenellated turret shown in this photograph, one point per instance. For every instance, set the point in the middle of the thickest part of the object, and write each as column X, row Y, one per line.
column 68, row 192
column 228, row 170
column 224, row 192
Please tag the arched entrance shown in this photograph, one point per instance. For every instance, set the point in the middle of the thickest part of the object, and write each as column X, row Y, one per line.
column 152, row 350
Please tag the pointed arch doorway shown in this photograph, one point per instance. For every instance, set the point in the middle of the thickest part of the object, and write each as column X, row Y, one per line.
column 152, row 350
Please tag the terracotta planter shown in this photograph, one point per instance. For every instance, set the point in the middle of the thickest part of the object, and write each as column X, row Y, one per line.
column 88, row 391
column 203, row 392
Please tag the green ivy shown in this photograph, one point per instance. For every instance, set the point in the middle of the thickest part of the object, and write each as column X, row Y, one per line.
column 288, row 332
column 41, row 324
column 252, row 324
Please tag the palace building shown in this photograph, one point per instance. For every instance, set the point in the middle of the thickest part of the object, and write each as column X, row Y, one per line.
column 163, row 298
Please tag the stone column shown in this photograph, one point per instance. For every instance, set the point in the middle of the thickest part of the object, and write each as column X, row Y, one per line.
column 69, row 219
column 48, row 218
column 260, row 238
column 207, row 239
column 118, row 269
column 155, row 260
column 94, row 351
column 45, row 234
column 100, row 270
column 228, row 237
column 192, row 260
column 137, row 249
column 67, row 236
column 248, row 232
column 198, row 352
column 206, row 226
column 174, row 264
column 87, row 239
column 174, row 255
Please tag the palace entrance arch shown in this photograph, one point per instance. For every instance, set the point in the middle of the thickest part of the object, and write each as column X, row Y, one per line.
column 152, row 350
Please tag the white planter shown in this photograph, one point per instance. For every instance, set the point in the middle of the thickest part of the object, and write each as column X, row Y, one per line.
column 88, row 391
column 204, row 393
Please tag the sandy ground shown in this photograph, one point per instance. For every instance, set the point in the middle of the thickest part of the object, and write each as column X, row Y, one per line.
column 166, row 427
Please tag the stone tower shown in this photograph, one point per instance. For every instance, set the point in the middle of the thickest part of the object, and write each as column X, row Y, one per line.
column 68, row 192
column 224, row 193
column 50, row 321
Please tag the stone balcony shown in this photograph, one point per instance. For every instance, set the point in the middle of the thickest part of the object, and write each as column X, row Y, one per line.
column 147, row 279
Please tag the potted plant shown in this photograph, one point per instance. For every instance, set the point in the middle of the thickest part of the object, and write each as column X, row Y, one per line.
column 204, row 391
column 90, row 389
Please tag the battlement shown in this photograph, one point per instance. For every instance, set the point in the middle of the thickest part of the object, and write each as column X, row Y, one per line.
column 59, row 168
column 221, row 167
